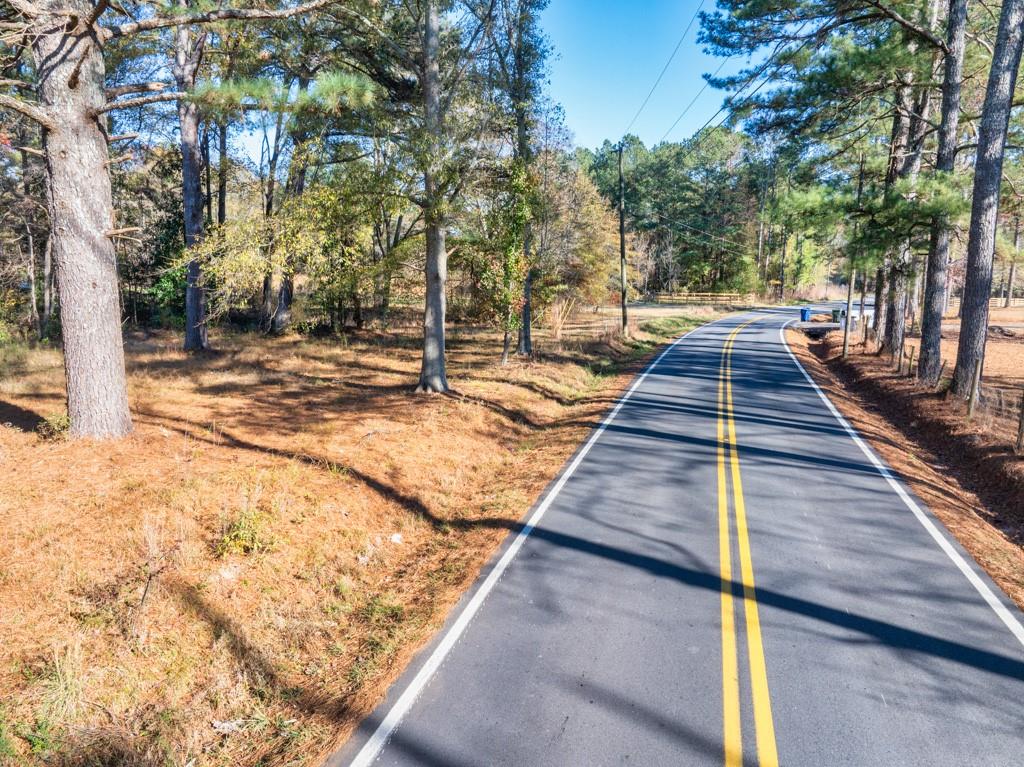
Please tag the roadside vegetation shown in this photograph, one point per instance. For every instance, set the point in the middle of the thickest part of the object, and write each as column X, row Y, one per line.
column 238, row 581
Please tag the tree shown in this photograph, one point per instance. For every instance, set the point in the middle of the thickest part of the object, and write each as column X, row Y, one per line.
column 929, row 361
column 995, row 118
column 67, row 44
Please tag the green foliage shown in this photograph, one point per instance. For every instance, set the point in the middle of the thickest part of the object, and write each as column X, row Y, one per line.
column 245, row 533
column 54, row 427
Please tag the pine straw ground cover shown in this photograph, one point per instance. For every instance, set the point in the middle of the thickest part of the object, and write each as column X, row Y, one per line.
column 965, row 472
column 238, row 582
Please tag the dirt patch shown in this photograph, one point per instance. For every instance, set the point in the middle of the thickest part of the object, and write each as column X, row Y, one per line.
column 971, row 480
column 239, row 581
column 1004, row 355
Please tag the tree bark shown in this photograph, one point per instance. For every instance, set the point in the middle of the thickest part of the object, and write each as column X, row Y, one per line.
column 222, row 172
column 1013, row 264
column 995, row 116
column 929, row 363
column 525, row 334
column 30, row 273
column 47, row 314
column 433, row 377
column 71, row 76
column 187, row 57
column 878, row 320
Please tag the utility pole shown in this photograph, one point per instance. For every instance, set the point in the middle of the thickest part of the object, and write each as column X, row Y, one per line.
column 622, row 241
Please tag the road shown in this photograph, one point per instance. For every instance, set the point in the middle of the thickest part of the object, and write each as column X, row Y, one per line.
column 721, row 576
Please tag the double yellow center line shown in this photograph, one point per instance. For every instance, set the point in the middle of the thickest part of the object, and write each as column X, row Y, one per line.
column 729, row 467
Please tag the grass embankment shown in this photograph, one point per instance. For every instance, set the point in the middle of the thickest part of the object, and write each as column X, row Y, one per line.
column 237, row 583
column 964, row 471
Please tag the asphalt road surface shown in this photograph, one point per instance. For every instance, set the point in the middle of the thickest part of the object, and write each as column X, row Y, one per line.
column 723, row 575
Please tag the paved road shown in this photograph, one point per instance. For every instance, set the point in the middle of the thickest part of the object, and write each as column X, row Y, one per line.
column 718, row 585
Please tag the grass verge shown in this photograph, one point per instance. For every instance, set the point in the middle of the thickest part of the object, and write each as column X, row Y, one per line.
column 239, row 581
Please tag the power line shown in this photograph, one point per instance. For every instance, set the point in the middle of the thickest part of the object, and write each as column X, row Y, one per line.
column 665, row 68
column 729, row 101
column 694, row 101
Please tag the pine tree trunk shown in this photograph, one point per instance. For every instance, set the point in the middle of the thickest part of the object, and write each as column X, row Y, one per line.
column 995, row 116
column 525, row 335
column 71, row 75
column 45, row 317
column 432, row 372
column 878, row 321
column 1013, row 264
column 222, row 172
column 929, row 362
column 30, row 273
column 187, row 55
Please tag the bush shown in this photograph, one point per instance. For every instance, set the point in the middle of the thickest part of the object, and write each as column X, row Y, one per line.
column 54, row 427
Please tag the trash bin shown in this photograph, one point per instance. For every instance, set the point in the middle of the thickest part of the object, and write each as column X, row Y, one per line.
column 836, row 314
column 805, row 314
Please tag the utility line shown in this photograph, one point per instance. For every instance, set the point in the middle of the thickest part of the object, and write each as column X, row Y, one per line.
column 694, row 100
column 665, row 68
column 732, row 98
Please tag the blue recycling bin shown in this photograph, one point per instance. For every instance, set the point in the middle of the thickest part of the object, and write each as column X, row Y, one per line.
column 805, row 314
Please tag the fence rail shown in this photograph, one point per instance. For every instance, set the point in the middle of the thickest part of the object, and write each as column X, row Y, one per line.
column 1002, row 405
column 699, row 298
column 995, row 302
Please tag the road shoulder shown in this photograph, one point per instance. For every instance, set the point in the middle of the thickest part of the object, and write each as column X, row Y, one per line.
column 959, row 509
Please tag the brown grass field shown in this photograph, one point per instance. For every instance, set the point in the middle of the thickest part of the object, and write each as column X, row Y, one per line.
column 238, row 582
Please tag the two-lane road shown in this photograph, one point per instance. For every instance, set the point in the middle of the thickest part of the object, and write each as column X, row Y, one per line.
column 725, row 575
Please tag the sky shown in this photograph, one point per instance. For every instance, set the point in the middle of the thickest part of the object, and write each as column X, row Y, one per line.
column 607, row 56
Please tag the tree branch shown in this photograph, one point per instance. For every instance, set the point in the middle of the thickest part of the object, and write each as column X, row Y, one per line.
column 30, row 111
column 910, row 26
column 224, row 14
column 141, row 101
column 19, row 84
column 124, row 90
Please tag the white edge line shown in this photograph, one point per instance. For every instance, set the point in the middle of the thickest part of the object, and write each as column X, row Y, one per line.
column 982, row 588
column 372, row 748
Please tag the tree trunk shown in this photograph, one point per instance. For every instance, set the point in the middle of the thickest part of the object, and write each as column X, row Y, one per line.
column 929, row 363
column 222, row 172
column 1013, row 264
column 282, row 316
column 71, row 76
column 432, row 370
column 30, row 273
column 525, row 335
column 506, row 344
column 187, row 56
column 995, row 116
column 878, row 321
column 45, row 317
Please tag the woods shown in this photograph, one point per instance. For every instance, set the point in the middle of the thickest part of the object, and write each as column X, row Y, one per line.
column 879, row 134
column 382, row 129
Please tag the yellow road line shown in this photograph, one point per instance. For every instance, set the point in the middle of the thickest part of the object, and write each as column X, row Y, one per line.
column 767, row 754
column 763, row 724
column 733, row 740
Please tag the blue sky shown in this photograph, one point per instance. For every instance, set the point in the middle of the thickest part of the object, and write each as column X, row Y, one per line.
column 608, row 55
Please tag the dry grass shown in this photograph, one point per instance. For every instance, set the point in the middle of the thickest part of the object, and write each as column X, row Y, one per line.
column 238, row 582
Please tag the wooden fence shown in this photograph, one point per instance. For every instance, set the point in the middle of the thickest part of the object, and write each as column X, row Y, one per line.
column 700, row 298
column 1004, row 407
column 994, row 303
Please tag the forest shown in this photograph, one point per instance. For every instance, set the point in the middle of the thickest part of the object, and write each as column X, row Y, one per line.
column 313, row 166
